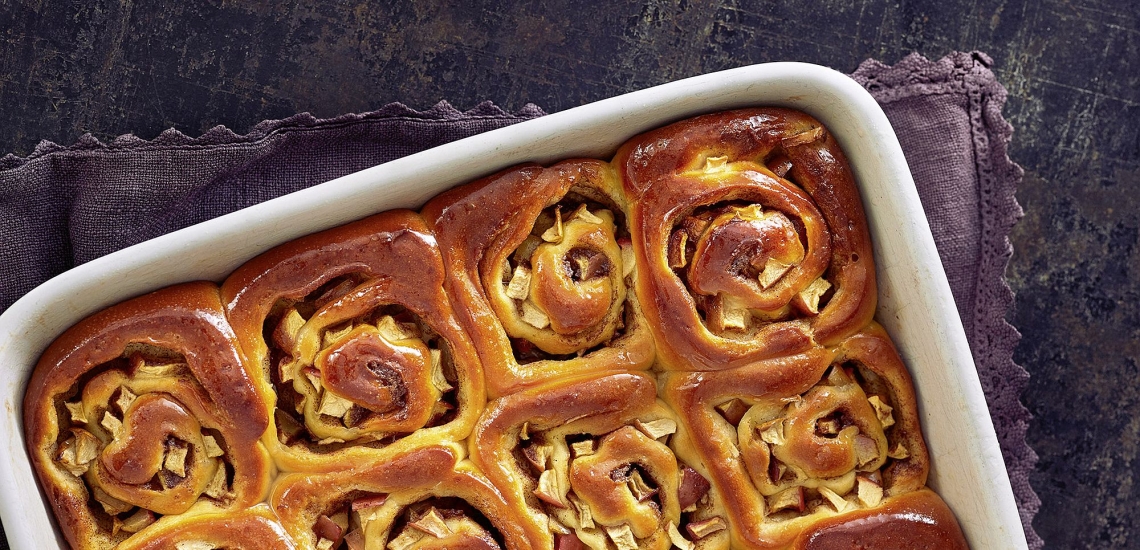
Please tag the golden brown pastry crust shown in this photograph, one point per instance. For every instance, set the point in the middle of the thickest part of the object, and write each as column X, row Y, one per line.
column 383, row 500
column 491, row 229
column 773, row 435
column 919, row 520
column 584, row 457
column 255, row 528
column 724, row 283
column 158, row 403
column 364, row 356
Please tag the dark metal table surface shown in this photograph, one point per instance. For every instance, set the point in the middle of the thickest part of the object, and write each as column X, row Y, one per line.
column 1072, row 68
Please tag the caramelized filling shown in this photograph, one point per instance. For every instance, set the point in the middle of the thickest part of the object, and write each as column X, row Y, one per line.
column 568, row 297
column 141, row 453
column 746, row 266
column 378, row 373
column 828, row 447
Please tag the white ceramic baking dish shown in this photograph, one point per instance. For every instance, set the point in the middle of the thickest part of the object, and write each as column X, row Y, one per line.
column 915, row 304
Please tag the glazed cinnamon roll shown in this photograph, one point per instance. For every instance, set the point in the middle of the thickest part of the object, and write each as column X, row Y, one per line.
column 142, row 411
column 540, row 263
column 750, row 237
column 792, row 441
column 254, row 528
column 355, row 342
column 420, row 499
column 588, row 461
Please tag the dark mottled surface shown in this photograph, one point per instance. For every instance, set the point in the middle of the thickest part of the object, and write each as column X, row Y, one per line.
column 1072, row 69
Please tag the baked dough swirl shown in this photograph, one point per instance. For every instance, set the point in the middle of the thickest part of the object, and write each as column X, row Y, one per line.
column 355, row 342
column 540, row 262
column 145, row 410
column 588, row 461
column 252, row 528
column 750, row 237
column 421, row 499
column 792, row 441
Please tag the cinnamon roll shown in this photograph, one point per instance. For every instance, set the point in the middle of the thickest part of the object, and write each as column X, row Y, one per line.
column 425, row 498
column 143, row 411
column 589, row 462
column 355, row 342
column 254, row 528
column 749, row 235
column 793, row 441
column 540, row 264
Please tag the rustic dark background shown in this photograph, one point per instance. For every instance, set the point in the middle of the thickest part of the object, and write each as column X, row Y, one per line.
column 1072, row 68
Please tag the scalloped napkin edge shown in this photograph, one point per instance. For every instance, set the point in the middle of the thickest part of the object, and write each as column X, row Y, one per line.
column 221, row 135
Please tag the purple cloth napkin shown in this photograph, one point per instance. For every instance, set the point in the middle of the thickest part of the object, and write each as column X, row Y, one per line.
column 947, row 115
column 63, row 206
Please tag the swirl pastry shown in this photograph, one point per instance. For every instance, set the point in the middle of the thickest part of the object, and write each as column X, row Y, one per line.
column 750, row 237
column 588, row 461
column 421, row 499
column 540, row 263
column 792, row 441
column 355, row 342
column 253, row 528
column 145, row 410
